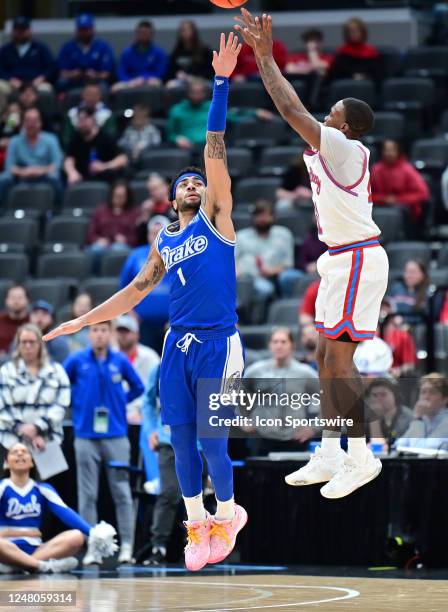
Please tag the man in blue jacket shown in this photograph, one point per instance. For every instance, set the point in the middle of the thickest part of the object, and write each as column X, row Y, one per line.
column 85, row 58
column 143, row 63
column 24, row 61
column 99, row 420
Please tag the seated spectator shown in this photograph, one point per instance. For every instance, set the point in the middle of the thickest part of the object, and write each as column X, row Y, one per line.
column 307, row 311
column 394, row 418
column 190, row 57
column 295, row 189
column 22, row 514
column 143, row 358
column 81, row 306
column 395, row 182
column 187, row 119
column 429, row 427
column 91, row 154
column 261, row 376
column 33, row 156
column 313, row 61
column 113, row 224
column 246, row 66
column 24, row 60
column 309, row 337
column 35, row 393
column 15, row 315
column 157, row 203
column 153, row 309
column 10, row 124
column 400, row 340
column 143, row 63
column 85, row 58
column 29, row 98
column 266, row 253
column 311, row 249
column 91, row 97
column 356, row 59
column 409, row 296
column 140, row 134
column 42, row 316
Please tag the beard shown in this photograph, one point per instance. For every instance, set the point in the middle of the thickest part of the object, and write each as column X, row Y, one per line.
column 189, row 204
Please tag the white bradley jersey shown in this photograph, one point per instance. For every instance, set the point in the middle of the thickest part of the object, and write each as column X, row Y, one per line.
column 340, row 181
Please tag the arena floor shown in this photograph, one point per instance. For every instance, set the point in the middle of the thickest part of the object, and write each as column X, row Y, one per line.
column 233, row 587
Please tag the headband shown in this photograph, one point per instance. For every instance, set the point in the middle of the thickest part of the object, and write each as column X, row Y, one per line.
column 181, row 178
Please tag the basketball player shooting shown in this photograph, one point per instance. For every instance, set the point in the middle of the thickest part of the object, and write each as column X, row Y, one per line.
column 354, row 270
column 197, row 254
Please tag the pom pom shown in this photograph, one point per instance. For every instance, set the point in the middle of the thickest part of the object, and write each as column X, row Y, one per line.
column 102, row 542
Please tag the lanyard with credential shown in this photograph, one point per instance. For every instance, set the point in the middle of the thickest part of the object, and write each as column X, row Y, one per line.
column 101, row 415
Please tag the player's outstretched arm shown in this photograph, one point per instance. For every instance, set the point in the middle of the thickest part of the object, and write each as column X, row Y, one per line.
column 218, row 206
column 121, row 302
column 258, row 34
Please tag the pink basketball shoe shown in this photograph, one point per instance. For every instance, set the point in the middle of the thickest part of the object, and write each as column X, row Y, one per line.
column 197, row 550
column 223, row 535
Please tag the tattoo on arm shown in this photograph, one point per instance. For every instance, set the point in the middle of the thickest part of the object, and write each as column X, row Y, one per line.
column 216, row 148
column 149, row 276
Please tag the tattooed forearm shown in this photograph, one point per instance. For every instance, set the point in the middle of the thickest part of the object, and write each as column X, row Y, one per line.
column 216, row 148
column 281, row 91
column 149, row 276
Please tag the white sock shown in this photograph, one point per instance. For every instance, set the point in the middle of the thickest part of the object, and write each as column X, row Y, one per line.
column 331, row 442
column 162, row 550
column 225, row 511
column 357, row 448
column 43, row 567
column 195, row 508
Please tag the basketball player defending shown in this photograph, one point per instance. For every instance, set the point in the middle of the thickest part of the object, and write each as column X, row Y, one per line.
column 197, row 254
column 353, row 271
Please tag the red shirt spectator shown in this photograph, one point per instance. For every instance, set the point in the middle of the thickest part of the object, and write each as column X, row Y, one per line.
column 395, row 181
column 15, row 315
column 246, row 66
column 308, row 306
column 403, row 347
column 116, row 221
column 312, row 60
column 356, row 59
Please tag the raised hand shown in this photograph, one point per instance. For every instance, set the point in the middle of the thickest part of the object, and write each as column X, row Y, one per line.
column 224, row 62
column 257, row 32
column 70, row 327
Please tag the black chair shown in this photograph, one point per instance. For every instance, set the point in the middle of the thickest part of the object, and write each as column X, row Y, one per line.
column 12, row 247
column 139, row 191
column 248, row 94
column 67, row 229
column 442, row 259
column 298, row 221
column 390, row 221
column 255, row 336
column 58, row 247
column 13, row 266
column 63, row 265
column 100, row 289
column 388, row 125
column 426, row 62
column 112, row 262
column 439, row 277
column 390, row 61
column 430, row 154
column 441, row 347
column 352, row 88
column 275, row 161
column 153, row 97
column 284, row 312
column 5, row 284
column 252, row 189
column 39, row 196
column 302, row 284
column 245, row 295
column 55, row 291
column 23, row 231
column 166, row 162
column 241, row 219
column 87, row 194
column 252, row 133
column 239, row 161
column 407, row 94
column 402, row 252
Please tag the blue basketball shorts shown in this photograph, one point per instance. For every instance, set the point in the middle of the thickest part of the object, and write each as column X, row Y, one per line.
column 189, row 356
column 26, row 546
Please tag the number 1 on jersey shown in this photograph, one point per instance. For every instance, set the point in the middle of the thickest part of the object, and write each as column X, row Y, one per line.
column 180, row 274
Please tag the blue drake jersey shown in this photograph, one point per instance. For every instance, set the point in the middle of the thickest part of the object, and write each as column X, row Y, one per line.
column 200, row 266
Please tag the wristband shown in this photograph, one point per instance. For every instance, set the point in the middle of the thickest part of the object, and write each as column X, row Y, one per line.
column 217, row 114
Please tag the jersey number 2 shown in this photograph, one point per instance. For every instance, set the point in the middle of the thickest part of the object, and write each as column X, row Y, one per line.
column 180, row 274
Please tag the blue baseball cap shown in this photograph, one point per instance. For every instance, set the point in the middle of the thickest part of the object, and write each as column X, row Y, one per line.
column 84, row 21
column 43, row 305
column 21, row 23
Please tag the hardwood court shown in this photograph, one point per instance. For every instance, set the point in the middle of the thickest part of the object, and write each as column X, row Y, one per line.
column 246, row 592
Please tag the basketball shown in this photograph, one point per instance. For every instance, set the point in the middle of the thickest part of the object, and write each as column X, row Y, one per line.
column 228, row 4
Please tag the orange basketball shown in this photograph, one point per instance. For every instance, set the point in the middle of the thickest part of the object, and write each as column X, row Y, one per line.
column 228, row 4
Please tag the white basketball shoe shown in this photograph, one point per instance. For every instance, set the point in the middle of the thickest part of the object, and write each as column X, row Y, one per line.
column 351, row 476
column 320, row 468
